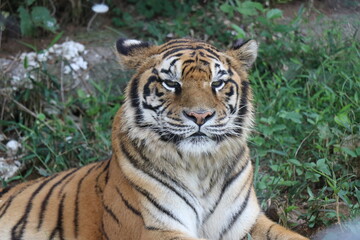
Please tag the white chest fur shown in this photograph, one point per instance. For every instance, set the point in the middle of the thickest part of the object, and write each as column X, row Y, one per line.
column 203, row 203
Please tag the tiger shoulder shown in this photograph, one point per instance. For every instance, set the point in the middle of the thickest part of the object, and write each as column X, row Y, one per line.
column 180, row 167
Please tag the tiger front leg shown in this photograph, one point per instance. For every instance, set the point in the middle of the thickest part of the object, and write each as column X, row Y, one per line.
column 265, row 229
column 155, row 234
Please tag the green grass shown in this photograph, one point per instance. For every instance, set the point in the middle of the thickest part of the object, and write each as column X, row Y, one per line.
column 308, row 124
column 306, row 142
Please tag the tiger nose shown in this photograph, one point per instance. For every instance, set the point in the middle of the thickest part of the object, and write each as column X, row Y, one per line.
column 199, row 117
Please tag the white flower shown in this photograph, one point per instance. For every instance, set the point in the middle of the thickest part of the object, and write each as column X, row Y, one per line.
column 42, row 57
column 67, row 69
column 80, row 62
column 70, row 52
column 15, row 80
column 8, row 170
column 100, row 8
column 12, row 147
column 71, row 49
column 75, row 66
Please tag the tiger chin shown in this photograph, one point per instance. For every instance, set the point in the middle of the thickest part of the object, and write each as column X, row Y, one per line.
column 180, row 167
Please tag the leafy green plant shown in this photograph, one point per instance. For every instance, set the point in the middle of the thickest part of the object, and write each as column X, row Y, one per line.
column 256, row 20
column 171, row 19
column 153, row 8
column 314, row 110
column 34, row 17
column 56, row 142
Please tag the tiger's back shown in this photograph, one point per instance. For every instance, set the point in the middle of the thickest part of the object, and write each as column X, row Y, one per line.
column 55, row 207
column 180, row 167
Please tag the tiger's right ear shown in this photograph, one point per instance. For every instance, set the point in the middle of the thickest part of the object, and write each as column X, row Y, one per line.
column 132, row 53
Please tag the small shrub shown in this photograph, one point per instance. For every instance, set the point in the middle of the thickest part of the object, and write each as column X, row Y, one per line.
column 34, row 17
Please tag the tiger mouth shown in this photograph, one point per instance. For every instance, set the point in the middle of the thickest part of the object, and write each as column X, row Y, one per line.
column 198, row 134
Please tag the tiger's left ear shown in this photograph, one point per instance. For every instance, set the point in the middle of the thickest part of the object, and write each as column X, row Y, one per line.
column 244, row 53
column 133, row 53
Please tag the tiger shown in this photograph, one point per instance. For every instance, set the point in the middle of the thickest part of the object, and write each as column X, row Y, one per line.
column 180, row 167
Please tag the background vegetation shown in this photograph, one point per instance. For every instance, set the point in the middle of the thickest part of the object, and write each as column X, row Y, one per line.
column 306, row 143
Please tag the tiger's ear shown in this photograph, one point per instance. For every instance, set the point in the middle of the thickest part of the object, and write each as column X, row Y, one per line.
column 132, row 53
column 244, row 52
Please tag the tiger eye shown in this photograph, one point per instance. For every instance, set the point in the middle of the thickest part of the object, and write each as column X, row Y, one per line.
column 217, row 84
column 171, row 84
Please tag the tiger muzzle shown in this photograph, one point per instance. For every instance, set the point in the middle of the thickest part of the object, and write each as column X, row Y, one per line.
column 199, row 117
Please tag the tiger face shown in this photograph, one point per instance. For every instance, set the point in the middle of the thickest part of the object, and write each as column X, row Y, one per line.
column 188, row 93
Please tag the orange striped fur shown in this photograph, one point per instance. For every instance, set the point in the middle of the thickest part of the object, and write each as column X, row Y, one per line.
column 180, row 167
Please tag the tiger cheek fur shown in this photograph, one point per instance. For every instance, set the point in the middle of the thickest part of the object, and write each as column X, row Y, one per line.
column 180, row 167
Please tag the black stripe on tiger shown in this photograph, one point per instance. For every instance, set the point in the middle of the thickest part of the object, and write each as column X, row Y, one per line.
column 102, row 229
column 147, row 93
column 243, row 108
column 5, row 190
column 184, row 67
column 230, row 72
column 191, row 70
column 228, row 184
column 168, row 71
column 183, row 46
column 163, row 173
column 204, row 62
column 127, row 204
column 268, row 232
column 150, row 228
column 187, row 47
column 105, row 171
column 173, row 62
column 188, row 62
column 221, row 73
column 136, row 164
column 153, row 201
column 236, row 216
column 111, row 213
column 185, row 42
column 230, row 92
column 60, row 221
column 234, row 83
column 165, row 107
column 232, row 108
column 45, row 202
column 6, row 205
column 212, row 57
column 76, row 213
column 174, row 42
column 60, row 193
column 17, row 231
column 135, row 101
column 176, row 49
column 169, row 137
column 209, row 50
column 175, row 124
column 150, row 107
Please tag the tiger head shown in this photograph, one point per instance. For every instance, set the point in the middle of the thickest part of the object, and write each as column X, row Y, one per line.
column 187, row 94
